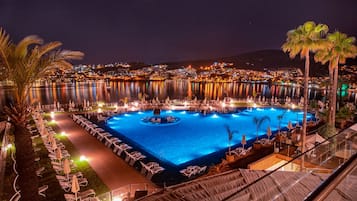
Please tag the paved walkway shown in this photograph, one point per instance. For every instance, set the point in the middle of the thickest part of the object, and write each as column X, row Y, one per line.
column 113, row 171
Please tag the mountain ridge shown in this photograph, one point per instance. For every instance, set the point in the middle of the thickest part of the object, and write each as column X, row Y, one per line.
column 261, row 60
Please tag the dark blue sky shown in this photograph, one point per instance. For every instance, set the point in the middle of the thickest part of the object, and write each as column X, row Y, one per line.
column 164, row 30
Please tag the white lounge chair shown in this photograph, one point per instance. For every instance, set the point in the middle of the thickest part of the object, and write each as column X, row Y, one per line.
column 42, row 189
column 90, row 193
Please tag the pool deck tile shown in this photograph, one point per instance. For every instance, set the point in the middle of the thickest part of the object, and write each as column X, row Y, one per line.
column 111, row 169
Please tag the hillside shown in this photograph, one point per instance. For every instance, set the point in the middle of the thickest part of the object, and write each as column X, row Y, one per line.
column 270, row 59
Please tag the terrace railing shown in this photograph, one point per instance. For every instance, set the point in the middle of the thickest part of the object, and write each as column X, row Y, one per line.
column 313, row 182
column 128, row 192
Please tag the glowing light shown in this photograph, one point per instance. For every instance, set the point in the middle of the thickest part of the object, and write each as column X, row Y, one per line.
column 117, row 199
column 255, row 105
column 8, row 146
column 173, row 107
column 235, row 115
column 63, row 133
column 293, row 106
column 185, row 103
column 99, row 110
column 215, row 116
column 100, row 104
column 116, row 107
column 223, row 104
column 83, row 158
column 52, row 115
column 53, row 121
column 136, row 104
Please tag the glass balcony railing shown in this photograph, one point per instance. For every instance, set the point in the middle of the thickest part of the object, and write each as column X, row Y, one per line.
column 309, row 172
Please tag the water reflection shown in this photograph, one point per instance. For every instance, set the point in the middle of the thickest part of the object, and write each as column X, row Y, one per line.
column 115, row 91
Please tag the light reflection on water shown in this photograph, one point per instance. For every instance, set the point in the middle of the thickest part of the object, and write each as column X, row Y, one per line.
column 116, row 91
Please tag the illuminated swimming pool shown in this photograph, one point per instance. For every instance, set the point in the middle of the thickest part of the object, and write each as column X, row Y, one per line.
column 195, row 135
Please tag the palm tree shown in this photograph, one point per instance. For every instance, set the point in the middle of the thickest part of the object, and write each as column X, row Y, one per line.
column 230, row 137
column 259, row 121
column 280, row 118
column 340, row 47
column 302, row 40
column 23, row 63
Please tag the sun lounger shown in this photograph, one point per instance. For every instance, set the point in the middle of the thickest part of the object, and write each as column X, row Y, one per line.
column 90, row 193
column 66, row 186
column 42, row 189
column 39, row 171
column 153, row 171
column 193, row 170
column 91, row 199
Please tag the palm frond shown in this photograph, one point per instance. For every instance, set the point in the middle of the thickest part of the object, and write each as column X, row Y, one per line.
column 5, row 45
column 22, row 47
column 44, row 49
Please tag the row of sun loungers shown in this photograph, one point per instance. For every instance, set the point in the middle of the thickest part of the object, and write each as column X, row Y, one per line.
column 59, row 156
column 42, row 189
column 118, row 147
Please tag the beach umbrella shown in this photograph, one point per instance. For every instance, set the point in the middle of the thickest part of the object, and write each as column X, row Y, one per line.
column 66, row 167
column 244, row 141
column 75, row 186
column 290, row 125
column 269, row 132
column 53, row 144
column 167, row 100
column 58, row 154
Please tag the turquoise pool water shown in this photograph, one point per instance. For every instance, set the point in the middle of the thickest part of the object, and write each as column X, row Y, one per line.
column 195, row 135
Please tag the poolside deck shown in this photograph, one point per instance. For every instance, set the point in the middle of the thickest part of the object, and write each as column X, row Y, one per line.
column 113, row 171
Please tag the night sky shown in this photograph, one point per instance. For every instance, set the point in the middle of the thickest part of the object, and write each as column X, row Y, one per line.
column 155, row 31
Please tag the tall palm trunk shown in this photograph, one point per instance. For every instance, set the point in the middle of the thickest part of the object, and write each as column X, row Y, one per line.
column 306, row 90
column 331, row 94
column 25, row 158
column 334, row 96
